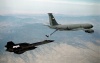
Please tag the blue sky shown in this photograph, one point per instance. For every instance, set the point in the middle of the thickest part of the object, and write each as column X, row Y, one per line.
column 69, row 7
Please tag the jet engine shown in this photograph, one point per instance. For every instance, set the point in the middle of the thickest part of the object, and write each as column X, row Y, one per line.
column 89, row 31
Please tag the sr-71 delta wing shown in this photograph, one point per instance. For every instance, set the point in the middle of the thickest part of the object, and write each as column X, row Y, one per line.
column 22, row 47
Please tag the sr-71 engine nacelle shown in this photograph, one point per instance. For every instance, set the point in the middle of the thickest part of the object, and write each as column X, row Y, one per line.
column 89, row 31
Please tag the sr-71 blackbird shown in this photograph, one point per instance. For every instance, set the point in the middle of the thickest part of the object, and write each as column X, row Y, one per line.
column 22, row 47
column 69, row 27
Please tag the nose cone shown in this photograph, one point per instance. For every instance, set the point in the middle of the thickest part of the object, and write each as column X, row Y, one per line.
column 91, row 26
column 6, row 46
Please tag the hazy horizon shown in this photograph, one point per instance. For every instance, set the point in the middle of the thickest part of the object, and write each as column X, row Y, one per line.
column 68, row 7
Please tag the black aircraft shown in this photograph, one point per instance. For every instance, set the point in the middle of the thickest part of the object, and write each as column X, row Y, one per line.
column 22, row 47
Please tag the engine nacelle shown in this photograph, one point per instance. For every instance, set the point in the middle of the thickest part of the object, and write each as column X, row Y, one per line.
column 89, row 31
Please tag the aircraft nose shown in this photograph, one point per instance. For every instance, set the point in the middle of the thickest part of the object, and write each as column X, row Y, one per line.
column 91, row 26
column 5, row 45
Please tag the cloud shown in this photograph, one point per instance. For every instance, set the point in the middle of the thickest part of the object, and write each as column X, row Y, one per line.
column 56, row 53
column 7, row 27
column 64, row 53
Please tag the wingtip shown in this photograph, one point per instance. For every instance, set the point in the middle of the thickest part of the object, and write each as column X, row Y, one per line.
column 49, row 40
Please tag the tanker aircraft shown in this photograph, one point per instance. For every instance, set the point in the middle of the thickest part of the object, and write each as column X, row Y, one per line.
column 68, row 27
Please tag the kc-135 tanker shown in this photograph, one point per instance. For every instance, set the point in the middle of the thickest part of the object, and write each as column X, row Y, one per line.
column 68, row 27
